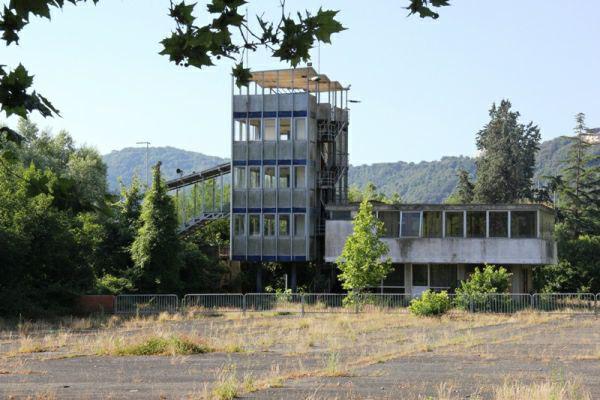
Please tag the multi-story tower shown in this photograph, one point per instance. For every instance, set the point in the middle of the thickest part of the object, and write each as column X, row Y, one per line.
column 289, row 159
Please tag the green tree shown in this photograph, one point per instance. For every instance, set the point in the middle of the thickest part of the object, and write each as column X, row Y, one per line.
column 506, row 164
column 362, row 263
column 463, row 193
column 579, row 190
column 156, row 248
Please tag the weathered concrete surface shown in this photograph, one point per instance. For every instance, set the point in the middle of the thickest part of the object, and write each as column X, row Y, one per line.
column 501, row 251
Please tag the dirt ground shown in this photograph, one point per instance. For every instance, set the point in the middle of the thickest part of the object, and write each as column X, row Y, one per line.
column 375, row 356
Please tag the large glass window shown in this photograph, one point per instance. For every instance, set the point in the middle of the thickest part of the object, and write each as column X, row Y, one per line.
column 269, row 129
column 454, row 223
column 284, row 225
column 498, row 223
column 239, row 177
column 300, row 128
column 299, row 224
column 284, row 177
column 254, row 129
column 254, row 224
column 299, row 176
column 476, row 224
column 285, row 129
column 391, row 223
column 432, row 224
column 239, row 130
column 420, row 275
column 254, row 177
column 523, row 224
column 239, row 225
column 269, row 179
column 269, row 225
column 411, row 223
column 443, row 275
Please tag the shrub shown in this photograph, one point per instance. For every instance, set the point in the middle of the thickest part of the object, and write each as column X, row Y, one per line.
column 430, row 303
column 163, row 346
column 490, row 279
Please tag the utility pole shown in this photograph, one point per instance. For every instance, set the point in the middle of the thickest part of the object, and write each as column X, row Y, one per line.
column 147, row 146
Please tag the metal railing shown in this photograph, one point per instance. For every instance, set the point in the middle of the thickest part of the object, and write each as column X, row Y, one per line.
column 214, row 302
column 305, row 303
column 146, row 303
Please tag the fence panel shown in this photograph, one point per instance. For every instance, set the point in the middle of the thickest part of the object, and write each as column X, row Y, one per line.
column 146, row 303
column 566, row 303
column 327, row 303
column 275, row 302
column 221, row 302
column 497, row 302
column 386, row 302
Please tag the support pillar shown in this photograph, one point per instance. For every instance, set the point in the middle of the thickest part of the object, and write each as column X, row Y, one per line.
column 461, row 273
column 293, row 278
column 408, row 279
column 259, row 282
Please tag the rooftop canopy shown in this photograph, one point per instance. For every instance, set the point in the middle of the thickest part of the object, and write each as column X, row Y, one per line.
column 295, row 79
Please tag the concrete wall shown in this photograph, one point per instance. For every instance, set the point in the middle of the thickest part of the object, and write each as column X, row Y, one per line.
column 501, row 251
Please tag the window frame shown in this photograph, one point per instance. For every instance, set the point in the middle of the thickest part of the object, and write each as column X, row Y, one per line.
column 304, row 131
column 296, row 234
column 265, row 122
column 279, row 132
column 257, row 132
column 236, row 218
column 236, row 183
column 462, row 223
column 296, row 168
column 269, row 226
column 402, row 221
column 252, row 168
column 489, row 227
column 259, row 230
column 281, row 217
column 243, row 133
column 271, row 179
column 289, row 177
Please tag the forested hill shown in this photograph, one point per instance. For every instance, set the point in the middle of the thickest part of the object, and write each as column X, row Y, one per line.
column 425, row 182
column 131, row 161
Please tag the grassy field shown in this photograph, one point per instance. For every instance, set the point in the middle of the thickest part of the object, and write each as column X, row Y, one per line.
column 370, row 355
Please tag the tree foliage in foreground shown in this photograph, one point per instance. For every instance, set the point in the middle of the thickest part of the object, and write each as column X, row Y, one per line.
column 463, row 193
column 364, row 262
column 228, row 35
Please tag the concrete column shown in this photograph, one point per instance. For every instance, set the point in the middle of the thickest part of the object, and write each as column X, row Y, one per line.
column 408, row 279
column 259, row 287
column 517, row 282
column 461, row 272
column 293, row 279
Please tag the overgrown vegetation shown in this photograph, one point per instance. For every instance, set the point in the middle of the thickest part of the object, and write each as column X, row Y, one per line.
column 161, row 346
column 62, row 233
column 430, row 304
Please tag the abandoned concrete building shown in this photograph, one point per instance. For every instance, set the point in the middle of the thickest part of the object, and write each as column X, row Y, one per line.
column 435, row 246
column 289, row 197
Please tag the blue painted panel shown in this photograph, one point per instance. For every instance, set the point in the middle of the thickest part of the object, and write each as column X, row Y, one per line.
column 240, row 115
column 239, row 163
column 299, row 258
column 269, row 162
column 269, row 114
column 269, row 210
column 269, row 258
column 298, row 210
column 284, row 162
column 284, row 210
column 284, row 114
column 253, row 258
column 254, row 114
column 284, row 258
column 238, row 258
column 299, row 162
column 253, row 162
column 254, row 210
column 239, row 211
column 300, row 113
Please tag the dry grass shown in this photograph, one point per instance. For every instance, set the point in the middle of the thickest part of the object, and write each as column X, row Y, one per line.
column 548, row 390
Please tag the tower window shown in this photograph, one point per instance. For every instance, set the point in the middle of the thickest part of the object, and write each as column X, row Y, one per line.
column 269, row 129
column 254, row 224
column 285, row 129
column 284, row 177
column 254, row 177
column 269, row 224
column 254, row 129
column 299, row 176
column 239, row 225
column 269, row 179
column 299, row 224
column 284, row 225
column 239, row 177
column 239, row 130
column 300, row 128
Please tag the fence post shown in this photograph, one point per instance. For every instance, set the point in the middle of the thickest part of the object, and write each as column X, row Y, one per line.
column 244, row 304
column 356, row 303
column 471, row 304
column 302, row 305
column 531, row 302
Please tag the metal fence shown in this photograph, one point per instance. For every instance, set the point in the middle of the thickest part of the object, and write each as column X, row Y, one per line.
column 146, row 303
column 306, row 303
column 214, row 303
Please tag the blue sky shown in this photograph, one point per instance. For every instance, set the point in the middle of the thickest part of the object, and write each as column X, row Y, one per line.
column 425, row 86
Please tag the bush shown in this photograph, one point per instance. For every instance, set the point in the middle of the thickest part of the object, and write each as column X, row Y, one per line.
column 490, row 279
column 430, row 303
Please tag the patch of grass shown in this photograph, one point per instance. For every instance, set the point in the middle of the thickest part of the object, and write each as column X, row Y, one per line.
column 227, row 387
column 29, row 345
column 162, row 346
column 568, row 390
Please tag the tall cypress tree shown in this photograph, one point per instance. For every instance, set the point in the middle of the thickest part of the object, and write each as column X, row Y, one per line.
column 506, row 164
column 580, row 185
column 156, row 250
column 463, row 193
